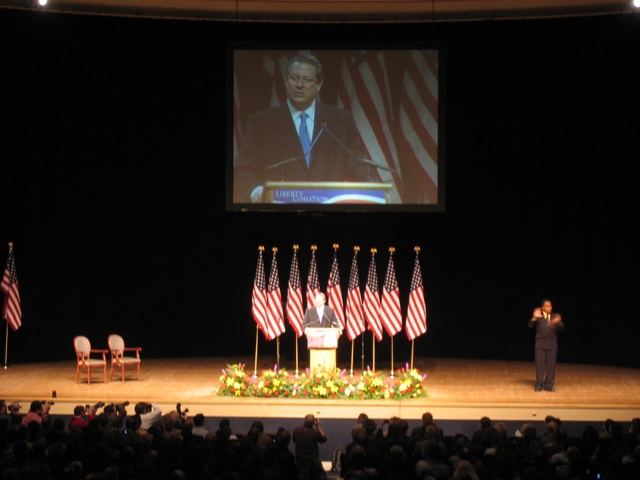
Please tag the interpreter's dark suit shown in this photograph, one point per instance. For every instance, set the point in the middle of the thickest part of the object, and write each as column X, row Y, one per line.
column 328, row 320
column 272, row 137
column 546, row 348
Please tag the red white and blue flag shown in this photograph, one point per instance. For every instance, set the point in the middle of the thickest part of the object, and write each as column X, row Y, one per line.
column 354, row 312
column 372, row 300
column 295, row 312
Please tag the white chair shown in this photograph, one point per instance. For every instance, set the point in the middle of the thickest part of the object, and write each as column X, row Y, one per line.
column 118, row 358
column 83, row 349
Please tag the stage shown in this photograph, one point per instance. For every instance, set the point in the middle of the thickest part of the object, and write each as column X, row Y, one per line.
column 458, row 389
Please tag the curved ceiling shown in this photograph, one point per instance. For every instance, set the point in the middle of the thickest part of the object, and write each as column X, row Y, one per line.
column 333, row 10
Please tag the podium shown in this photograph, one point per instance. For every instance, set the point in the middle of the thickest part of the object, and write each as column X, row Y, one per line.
column 327, row 192
column 322, row 344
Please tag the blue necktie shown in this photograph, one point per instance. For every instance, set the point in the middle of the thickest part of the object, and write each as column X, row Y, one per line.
column 304, row 137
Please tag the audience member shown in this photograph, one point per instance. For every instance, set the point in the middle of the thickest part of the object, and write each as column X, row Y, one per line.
column 307, row 439
column 38, row 412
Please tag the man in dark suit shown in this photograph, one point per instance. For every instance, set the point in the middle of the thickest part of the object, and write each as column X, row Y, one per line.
column 320, row 316
column 274, row 148
column 547, row 323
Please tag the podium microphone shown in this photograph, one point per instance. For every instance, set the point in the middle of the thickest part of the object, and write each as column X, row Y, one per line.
column 354, row 155
column 298, row 157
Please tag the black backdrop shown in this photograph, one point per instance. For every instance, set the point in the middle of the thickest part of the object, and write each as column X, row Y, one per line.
column 113, row 142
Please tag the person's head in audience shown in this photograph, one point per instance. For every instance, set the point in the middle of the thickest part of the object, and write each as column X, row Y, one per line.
column 485, row 422
column 198, row 420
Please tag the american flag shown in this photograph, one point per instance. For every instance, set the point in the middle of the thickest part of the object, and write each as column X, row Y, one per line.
column 295, row 313
column 390, row 313
column 416, row 323
column 372, row 300
column 355, row 315
column 259, row 298
column 334, row 291
column 364, row 90
column 275, row 315
column 313, row 285
column 418, row 119
column 12, row 311
column 275, row 64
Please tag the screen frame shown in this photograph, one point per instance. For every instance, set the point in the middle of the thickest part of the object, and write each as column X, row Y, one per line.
column 234, row 206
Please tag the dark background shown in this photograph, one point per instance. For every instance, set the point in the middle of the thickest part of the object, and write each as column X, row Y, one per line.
column 112, row 144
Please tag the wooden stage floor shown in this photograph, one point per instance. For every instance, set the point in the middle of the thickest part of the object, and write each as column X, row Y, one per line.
column 458, row 389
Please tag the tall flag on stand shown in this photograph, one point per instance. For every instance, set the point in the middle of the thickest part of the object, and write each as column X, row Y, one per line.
column 313, row 285
column 12, row 311
column 334, row 290
column 372, row 299
column 355, row 315
column 275, row 315
column 390, row 312
column 295, row 313
column 416, row 324
column 259, row 298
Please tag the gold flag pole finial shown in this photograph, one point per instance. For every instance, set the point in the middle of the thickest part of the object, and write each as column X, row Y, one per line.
column 416, row 249
column 356, row 248
column 392, row 250
column 374, row 251
column 314, row 248
column 261, row 248
column 10, row 246
column 335, row 247
column 296, row 247
column 274, row 250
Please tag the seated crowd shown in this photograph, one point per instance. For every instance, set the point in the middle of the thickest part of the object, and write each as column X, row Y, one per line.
column 150, row 444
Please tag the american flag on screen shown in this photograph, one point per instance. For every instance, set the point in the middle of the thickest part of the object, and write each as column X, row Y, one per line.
column 12, row 310
column 418, row 121
column 295, row 312
column 275, row 315
column 364, row 90
column 334, row 290
column 372, row 299
column 313, row 285
column 390, row 313
column 354, row 312
column 259, row 298
column 416, row 323
column 275, row 64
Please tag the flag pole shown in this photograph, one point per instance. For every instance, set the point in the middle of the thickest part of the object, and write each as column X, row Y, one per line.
column 362, row 353
column 255, row 361
column 278, row 352
column 413, row 344
column 391, row 357
column 6, row 346
column 352, row 346
column 297, row 356
column 373, row 350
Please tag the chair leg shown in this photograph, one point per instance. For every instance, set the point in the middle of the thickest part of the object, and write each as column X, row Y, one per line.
column 89, row 375
column 111, row 378
column 123, row 372
column 138, row 372
column 77, row 373
column 105, row 372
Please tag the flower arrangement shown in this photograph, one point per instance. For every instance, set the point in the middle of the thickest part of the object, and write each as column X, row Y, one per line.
column 405, row 383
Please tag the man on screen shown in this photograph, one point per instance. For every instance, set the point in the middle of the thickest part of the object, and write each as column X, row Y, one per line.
column 300, row 140
column 320, row 315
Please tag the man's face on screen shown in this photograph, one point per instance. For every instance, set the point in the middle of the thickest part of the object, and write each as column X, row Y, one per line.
column 302, row 85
